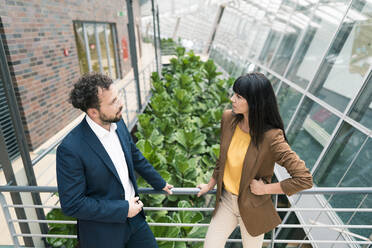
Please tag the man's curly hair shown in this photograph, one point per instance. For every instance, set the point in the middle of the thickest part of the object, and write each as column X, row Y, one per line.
column 84, row 95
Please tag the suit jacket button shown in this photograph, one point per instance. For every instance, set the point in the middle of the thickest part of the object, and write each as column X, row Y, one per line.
column 123, row 196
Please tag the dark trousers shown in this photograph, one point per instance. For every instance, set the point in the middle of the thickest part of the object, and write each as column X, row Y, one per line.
column 140, row 234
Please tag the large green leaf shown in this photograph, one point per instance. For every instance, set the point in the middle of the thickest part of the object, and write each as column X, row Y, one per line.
column 181, row 163
column 180, row 245
column 180, row 51
column 156, row 138
column 187, row 216
column 165, row 175
column 56, row 214
column 64, row 230
column 145, row 147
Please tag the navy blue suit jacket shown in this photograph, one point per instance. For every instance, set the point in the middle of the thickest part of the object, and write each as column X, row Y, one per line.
column 90, row 189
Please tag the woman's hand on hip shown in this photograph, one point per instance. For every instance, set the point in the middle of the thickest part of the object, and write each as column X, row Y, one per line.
column 258, row 187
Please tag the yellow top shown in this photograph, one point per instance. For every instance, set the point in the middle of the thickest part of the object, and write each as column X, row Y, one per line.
column 235, row 159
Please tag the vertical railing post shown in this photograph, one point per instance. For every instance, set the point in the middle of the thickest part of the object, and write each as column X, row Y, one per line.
column 273, row 231
column 155, row 43
column 133, row 51
column 159, row 38
column 8, row 219
column 21, row 142
column 214, row 30
column 126, row 104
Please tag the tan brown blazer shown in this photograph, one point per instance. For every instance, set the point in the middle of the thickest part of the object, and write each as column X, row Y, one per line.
column 257, row 211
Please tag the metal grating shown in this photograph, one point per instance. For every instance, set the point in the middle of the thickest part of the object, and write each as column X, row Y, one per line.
column 6, row 125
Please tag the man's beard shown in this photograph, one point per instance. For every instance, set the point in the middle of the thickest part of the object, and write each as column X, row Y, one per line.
column 114, row 119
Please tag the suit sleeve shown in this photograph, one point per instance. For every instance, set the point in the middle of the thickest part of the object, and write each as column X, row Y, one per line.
column 72, row 193
column 300, row 175
column 143, row 167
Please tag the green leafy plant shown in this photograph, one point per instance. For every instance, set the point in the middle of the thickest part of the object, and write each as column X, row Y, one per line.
column 61, row 229
column 179, row 134
column 168, row 46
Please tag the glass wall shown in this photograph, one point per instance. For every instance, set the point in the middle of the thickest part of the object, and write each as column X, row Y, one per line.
column 318, row 56
column 348, row 59
column 318, row 35
column 95, row 44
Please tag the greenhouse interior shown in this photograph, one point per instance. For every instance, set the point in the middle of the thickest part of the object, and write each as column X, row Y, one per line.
column 175, row 66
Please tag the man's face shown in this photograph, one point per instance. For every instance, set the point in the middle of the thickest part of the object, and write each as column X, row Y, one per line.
column 111, row 105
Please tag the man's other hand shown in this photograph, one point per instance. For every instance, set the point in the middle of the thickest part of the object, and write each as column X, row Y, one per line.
column 168, row 188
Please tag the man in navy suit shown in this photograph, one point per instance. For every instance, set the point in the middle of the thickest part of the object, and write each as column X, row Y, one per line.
column 95, row 171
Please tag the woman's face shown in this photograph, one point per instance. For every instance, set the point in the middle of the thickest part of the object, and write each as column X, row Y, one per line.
column 239, row 104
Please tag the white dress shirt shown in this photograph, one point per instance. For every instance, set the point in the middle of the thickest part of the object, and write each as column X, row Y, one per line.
column 112, row 145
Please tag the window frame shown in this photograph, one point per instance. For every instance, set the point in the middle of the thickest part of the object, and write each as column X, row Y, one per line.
column 98, row 47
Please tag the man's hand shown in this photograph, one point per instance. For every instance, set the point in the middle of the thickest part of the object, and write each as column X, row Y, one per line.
column 135, row 206
column 204, row 188
column 258, row 187
column 168, row 188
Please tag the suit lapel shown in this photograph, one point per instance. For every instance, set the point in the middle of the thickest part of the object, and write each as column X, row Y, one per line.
column 127, row 154
column 228, row 133
column 96, row 145
column 249, row 166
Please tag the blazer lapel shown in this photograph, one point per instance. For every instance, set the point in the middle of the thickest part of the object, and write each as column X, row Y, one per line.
column 228, row 133
column 96, row 145
column 127, row 154
column 249, row 166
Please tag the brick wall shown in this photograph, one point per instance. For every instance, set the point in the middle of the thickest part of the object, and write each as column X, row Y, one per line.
column 36, row 33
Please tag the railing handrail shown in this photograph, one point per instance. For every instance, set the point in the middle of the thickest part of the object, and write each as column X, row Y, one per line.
column 193, row 191
column 341, row 228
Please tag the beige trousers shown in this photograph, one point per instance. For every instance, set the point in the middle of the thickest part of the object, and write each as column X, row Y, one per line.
column 225, row 221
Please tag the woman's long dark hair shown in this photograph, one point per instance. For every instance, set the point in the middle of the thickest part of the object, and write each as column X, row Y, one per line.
column 263, row 108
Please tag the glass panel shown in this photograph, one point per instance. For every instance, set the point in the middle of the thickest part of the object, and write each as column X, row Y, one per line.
column 318, row 35
column 361, row 218
column 102, row 44
column 359, row 175
column 80, row 46
column 261, row 26
column 269, row 47
column 92, row 46
column 339, row 171
column 111, row 40
column 311, row 131
column 274, row 80
column 260, row 36
column 362, row 110
column 341, row 75
column 297, row 23
column 288, row 99
column 339, row 157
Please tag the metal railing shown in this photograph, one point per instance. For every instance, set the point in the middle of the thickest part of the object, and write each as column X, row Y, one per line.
column 341, row 228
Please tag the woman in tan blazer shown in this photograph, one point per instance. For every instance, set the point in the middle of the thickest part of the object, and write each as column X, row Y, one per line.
column 252, row 141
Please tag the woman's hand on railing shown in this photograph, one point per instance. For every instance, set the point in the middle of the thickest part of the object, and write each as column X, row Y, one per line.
column 204, row 188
